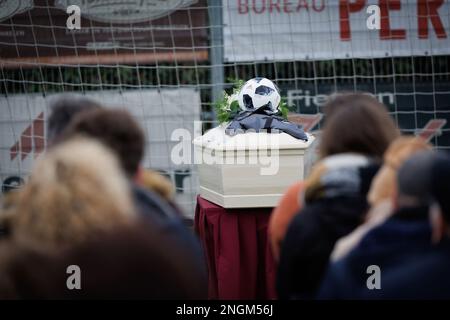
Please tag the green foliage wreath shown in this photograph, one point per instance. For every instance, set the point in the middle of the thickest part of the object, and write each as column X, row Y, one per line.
column 228, row 107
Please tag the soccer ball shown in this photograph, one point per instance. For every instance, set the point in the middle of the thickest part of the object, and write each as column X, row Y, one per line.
column 257, row 93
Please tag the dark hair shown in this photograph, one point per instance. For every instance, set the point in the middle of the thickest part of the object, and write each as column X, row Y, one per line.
column 440, row 177
column 63, row 110
column 115, row 128
column 138, row 262
column 356, row 122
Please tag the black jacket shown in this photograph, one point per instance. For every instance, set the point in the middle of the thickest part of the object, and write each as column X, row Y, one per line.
column 156, row 211
column 150, row 205
column 311, row 236
column 411, row 267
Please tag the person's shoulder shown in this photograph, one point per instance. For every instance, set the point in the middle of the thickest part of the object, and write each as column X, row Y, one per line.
column 409, row 225
column 437, row 257
column 294, row 189
column 340, row 281
column 423, row 272
column 291, row 197
column 304, row 231
column 150, row 204
column 387, row 243
column 306, row 216
column 288, row 205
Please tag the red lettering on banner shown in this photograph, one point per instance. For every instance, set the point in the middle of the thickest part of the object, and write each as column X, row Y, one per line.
column 345, row 8
column 274, row 4
column 242, row 6
column 32, row 135
column 308, row 121
column 302, row 4
column 287, row 6
column 38, row 134
column 262, row 9
column 428, row 9
column 386, row 33
column 432, row 128
column 318, row 9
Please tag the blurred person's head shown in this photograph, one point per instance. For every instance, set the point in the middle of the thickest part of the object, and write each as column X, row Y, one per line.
column 115, row 128
column 127, row 263
column 63, row 110
column 356, row 123
column 439, row 183
column 384, row 184
column 75, row 190
column 156, row 182
column 414, row 181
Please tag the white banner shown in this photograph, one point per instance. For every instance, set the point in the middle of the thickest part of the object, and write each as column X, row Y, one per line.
column 23, row 124
column 160, row 112
column 258, row 30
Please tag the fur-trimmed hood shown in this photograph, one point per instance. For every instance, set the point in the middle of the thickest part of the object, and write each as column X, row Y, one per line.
column 342, row 175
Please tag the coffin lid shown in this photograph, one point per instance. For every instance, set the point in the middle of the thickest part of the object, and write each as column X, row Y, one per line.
column 217, row 139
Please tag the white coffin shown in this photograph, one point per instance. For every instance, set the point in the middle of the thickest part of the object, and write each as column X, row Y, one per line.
column 241, row 171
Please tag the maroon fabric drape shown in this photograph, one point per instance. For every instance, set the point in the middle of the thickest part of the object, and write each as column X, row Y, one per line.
column 240, row 262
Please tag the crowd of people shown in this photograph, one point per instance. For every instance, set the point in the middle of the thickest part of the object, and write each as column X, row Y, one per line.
column 371, row 221
column 375, row 200
column 89, row 203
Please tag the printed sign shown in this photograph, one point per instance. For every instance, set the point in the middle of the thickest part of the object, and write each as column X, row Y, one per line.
column 259, row 30
column 111, row 32
column 23, row 125
column 420, row 108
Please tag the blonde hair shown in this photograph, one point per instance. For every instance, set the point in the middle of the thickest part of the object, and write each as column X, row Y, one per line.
column 156, row 182
column 75, row 190
column 384, row 184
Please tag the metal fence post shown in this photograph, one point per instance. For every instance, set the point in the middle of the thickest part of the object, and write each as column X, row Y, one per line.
column 217, row 68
